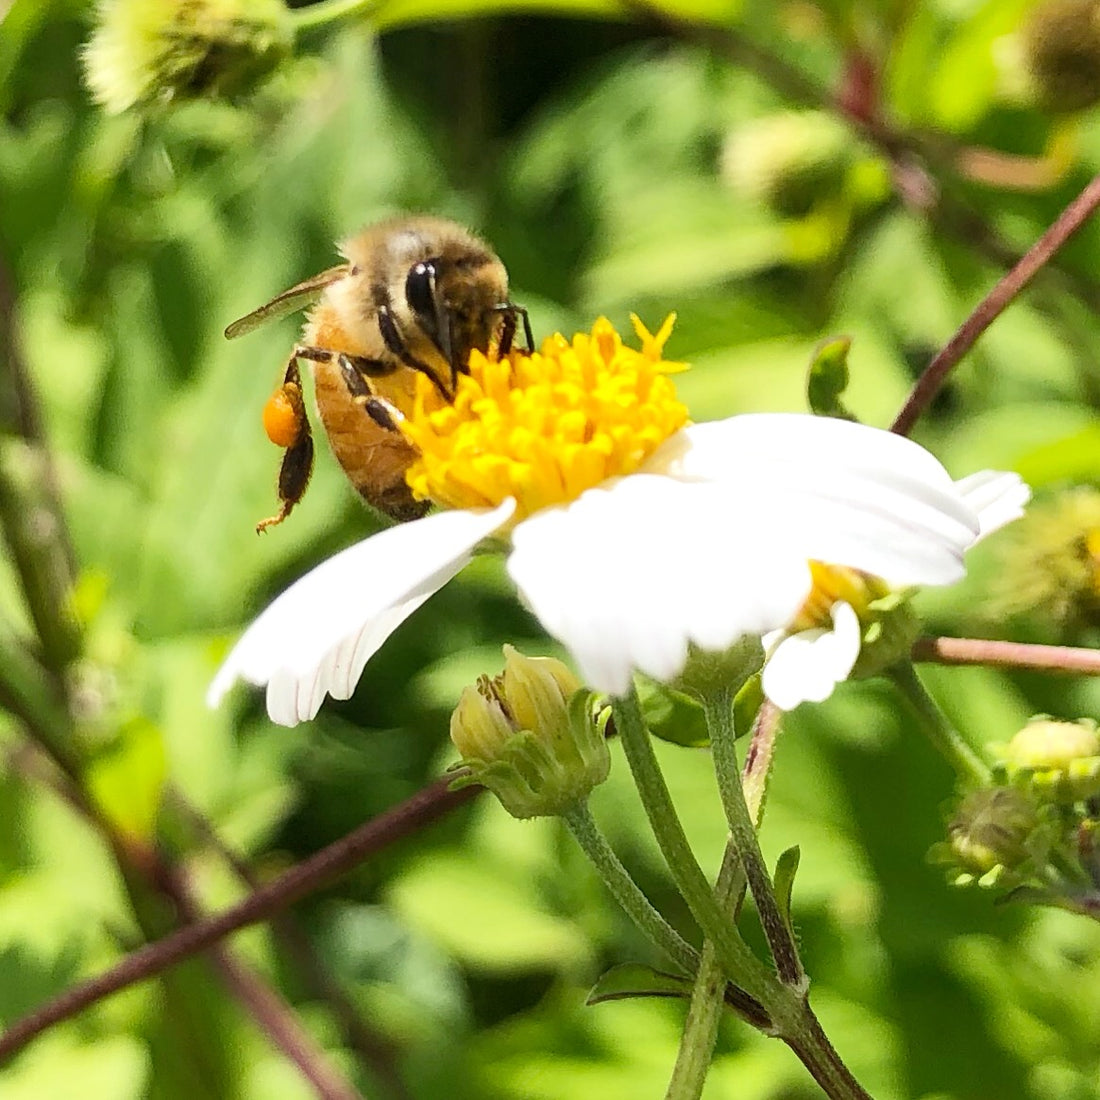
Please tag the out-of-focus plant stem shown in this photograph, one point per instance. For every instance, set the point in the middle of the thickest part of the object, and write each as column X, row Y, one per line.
column 990, row 652
column 994, row 303
column 338, row 858
column 936, row 727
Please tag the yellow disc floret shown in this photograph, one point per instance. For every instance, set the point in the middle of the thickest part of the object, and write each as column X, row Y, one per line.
column 543, row 427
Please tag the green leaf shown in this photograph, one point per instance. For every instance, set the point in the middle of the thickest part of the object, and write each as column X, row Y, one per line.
column 748, row 701
column 785, row 870
column 637, row 980
column 1072, row 458
column 673, row 716
column 491, row 920
column 828, row 378
column 127, row 780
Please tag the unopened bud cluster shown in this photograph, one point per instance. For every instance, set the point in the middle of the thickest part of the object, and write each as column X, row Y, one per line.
column 531, row 736
column 1033, row 829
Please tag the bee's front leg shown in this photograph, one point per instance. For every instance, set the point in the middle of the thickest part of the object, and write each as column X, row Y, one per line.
column 287, row 425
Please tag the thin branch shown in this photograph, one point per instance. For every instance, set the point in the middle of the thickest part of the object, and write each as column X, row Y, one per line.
column 993, row 305
column 376, row 1053
column 265, row 1006
column 427, row 805
column 981, row 651
column 275, row 1018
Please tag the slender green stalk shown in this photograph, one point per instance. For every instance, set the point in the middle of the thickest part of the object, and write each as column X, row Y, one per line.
column 719, row 712
column 700, row 1028
column 707, row 999
column 738, row 962
column 626, row 891
column 330, row 11
column 944, row 737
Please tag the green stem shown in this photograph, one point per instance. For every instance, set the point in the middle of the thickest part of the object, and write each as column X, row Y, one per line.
column 944, row 737
column 626, row 891
column 707, row 1000
column 720, row 721
column 329, row 11
column 738, row 962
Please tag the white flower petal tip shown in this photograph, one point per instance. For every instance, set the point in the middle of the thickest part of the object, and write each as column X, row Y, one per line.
column 996, row 497
column 316, row 638
column 805, row 667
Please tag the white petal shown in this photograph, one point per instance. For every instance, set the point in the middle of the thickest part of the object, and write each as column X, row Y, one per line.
column 997, row 498
column 632, row 572
column 801, row 442
column 843, row 493
column 317, row 636
column 805, row 667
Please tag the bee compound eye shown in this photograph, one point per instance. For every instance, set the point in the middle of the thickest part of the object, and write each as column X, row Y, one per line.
column 420, row 294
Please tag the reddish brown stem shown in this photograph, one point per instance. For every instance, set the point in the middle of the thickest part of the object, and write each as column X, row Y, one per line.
column 377, row 1054
column 980, row 651
column 993, row 305
column 427, row 805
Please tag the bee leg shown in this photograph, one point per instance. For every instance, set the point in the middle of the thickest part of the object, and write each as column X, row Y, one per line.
column 395, row 343
column 297, row 465
column 382, row 412
column 510, row 311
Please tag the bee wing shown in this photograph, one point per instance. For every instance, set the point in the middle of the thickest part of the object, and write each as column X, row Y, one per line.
column 290, row 301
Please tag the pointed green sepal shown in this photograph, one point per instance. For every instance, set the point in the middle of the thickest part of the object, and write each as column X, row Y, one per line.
column 785, row 870
column 828, row 378
column 630, row 980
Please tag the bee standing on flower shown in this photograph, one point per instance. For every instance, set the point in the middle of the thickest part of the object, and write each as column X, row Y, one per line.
column 416, row 296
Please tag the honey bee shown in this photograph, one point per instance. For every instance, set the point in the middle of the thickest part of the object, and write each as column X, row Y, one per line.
column 415, row 296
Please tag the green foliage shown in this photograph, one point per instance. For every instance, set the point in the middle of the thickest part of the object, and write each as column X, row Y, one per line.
column 589, row 148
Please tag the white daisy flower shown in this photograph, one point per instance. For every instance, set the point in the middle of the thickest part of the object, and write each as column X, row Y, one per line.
column 630, row 533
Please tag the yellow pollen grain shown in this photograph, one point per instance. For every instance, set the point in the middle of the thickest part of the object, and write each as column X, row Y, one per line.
column 544, row 426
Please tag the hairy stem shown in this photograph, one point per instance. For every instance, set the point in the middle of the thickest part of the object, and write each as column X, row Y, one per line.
column 742, row 826
column 739, row 963
column 626, row 891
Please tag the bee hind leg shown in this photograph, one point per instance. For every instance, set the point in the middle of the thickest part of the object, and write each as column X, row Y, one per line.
column 287, row 425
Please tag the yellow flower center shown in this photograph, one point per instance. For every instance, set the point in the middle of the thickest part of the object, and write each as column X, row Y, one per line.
column 834, row 584
column 543, row 427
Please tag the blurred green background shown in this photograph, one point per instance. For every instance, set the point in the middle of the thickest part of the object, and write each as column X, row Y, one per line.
column 618, row 166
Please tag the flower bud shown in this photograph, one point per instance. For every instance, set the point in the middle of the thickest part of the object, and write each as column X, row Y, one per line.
column 141, row 52
column 711, row 671
column 989, row 834
column 790, row 160
column 530, row 736
column 1050, row 563
column 1057, row 760
column 1061, row 43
